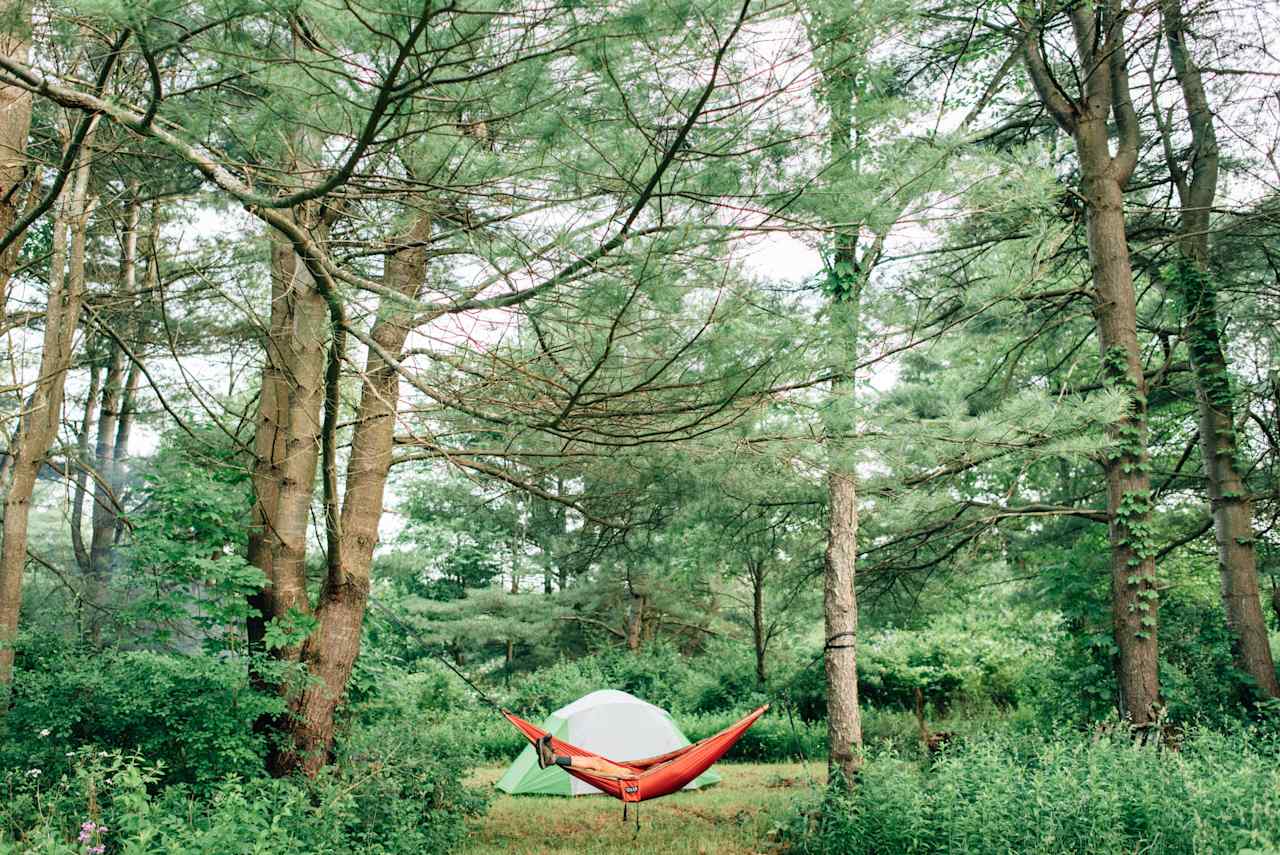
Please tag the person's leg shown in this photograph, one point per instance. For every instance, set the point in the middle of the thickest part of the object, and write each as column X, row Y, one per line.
column 595, row 765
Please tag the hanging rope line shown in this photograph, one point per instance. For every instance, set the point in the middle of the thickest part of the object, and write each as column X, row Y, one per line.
column 440, row 656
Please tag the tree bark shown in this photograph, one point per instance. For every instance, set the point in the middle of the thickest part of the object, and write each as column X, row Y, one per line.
column 287, row 435
column 15, row 127
column 1134, row 601
column 42, row 413
column 124, row 429
column 287, row 440
column 635, row 620
column 1197, row 298
column 114, row 427
column 105, row 489
column 840, row 621
column 759, row 636
column 515, row 560
column 330, row 652
column 87, row 424
column 1103, row 68
column 839, row 597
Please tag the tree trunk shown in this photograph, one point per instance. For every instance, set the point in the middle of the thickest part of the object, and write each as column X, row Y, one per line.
column 758, row 634
column 1229, row 497
column 1197, row 298
column 330, row 652
column 548, row 524
column 78, row 546
column 1134, row 601
column 124, row 430
column 114, row 425
column 635, row 621
column 286, row 450
column 287, row 435
column 515, row 558
column 840, row 621
column 15, row 126
column 105, row 489
column 42, row 413
column 1103, row 74
column 839, row 598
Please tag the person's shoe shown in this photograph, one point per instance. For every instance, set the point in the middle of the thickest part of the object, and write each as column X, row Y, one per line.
column 546, row 755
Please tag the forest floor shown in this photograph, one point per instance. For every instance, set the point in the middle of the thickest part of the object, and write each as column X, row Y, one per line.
column 733, row 817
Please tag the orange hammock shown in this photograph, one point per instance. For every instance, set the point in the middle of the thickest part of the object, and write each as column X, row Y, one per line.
column 654, row 776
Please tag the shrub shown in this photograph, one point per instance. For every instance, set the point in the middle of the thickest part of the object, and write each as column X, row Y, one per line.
column 383, row 805
column 1221, row 793
column 957, row 659
column 1076, row 684
column 385, row 690
column 890, row 728
column 771, row 739
column 193, row 715
column 727, row 680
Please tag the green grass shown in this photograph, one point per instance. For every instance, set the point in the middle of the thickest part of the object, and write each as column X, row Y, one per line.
column 732, row 818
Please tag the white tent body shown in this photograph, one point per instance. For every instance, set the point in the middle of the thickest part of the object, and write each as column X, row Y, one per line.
column 610, row 723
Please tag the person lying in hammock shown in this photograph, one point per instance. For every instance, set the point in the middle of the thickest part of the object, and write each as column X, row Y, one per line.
column 595, row 765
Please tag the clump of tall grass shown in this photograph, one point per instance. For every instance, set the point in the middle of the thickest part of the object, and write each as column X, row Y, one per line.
column 1220, row 793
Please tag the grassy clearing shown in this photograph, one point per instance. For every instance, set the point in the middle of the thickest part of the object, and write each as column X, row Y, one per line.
column 731, row 818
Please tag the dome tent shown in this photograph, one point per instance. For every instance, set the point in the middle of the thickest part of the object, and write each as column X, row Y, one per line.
column 610, row 723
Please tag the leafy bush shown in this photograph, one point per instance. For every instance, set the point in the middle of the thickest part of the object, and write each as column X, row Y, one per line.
column 395, row 787
column 771, row 739
column 185, row 575
column 776, row 738
column 891, row 728
column 1076, row 684
column 1199, row 680
column 957, row 659
column 552, row 687
column 727, row 679
column 1195, row 657
column 381, row 689
column 484, row 735
column 193, row 715
column 1220, row 793
column 384, row 805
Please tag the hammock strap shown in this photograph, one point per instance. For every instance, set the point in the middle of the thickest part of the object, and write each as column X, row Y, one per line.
column 625, row 805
